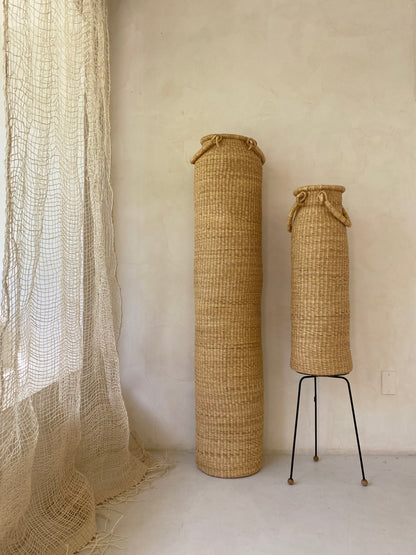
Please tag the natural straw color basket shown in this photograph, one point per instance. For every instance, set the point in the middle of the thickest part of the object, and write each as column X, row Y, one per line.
column 320, row 310
column 228, row 287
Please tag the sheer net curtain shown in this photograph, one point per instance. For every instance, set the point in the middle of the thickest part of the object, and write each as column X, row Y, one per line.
column 64, row 432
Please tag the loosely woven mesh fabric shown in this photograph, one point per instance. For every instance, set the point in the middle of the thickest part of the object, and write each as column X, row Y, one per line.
column 63, row 424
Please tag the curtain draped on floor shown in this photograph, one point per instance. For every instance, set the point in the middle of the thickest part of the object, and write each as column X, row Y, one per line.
column 63, row 426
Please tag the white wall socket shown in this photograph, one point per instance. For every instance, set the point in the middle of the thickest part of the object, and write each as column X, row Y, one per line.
column 388, row 383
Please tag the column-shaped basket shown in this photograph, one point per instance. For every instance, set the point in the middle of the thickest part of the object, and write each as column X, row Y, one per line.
column 320, row 309
column 228, row 288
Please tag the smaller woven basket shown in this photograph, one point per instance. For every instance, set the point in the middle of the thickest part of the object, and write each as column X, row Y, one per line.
column 320, row 309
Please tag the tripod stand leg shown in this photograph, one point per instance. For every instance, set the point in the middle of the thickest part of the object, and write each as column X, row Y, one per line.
column 291, row 481
column 364, row 481
column 315, row 399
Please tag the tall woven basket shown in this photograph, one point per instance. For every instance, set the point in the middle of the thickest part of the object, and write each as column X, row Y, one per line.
column 228, row 287
column 320, row 310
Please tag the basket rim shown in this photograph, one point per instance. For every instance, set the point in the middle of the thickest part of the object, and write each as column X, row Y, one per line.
column 207, row 139
column 312, row 188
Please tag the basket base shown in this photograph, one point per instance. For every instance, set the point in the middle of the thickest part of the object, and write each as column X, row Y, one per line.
column 321, row 374
column 238, row 473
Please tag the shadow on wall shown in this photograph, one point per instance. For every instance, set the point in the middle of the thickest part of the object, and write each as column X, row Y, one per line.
column 277, row 199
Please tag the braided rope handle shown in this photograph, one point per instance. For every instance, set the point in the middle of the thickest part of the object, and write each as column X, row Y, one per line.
column 216, row 140
column 300, row 199
column 341, row 216
column 323, row 199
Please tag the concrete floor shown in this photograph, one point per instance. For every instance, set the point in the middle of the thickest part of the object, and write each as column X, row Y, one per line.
column 327, row 511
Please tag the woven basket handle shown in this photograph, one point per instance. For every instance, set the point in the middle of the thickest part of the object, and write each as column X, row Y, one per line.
column 216, row 139
column 300, row 199
column 323, row 199
column 341, row 216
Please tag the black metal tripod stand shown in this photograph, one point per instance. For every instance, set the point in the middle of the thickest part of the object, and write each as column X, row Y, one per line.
column 316, row 458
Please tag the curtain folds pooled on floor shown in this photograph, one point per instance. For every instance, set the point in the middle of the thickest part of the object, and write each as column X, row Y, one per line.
column 64, row 431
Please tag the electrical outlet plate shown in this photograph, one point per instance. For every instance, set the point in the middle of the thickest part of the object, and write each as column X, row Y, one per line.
column 388, row 383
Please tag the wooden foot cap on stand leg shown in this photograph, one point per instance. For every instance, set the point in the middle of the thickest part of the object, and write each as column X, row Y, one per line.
column 291, row 481
column 316, row 458
column 364, row 482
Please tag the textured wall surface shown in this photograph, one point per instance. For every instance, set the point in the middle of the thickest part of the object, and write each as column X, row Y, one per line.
column 327, row 87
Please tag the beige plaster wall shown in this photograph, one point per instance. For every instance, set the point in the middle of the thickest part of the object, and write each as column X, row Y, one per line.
column 327, row 87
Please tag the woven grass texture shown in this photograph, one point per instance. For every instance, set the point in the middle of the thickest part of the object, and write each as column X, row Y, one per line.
column 320, row 309
column 228, row 288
